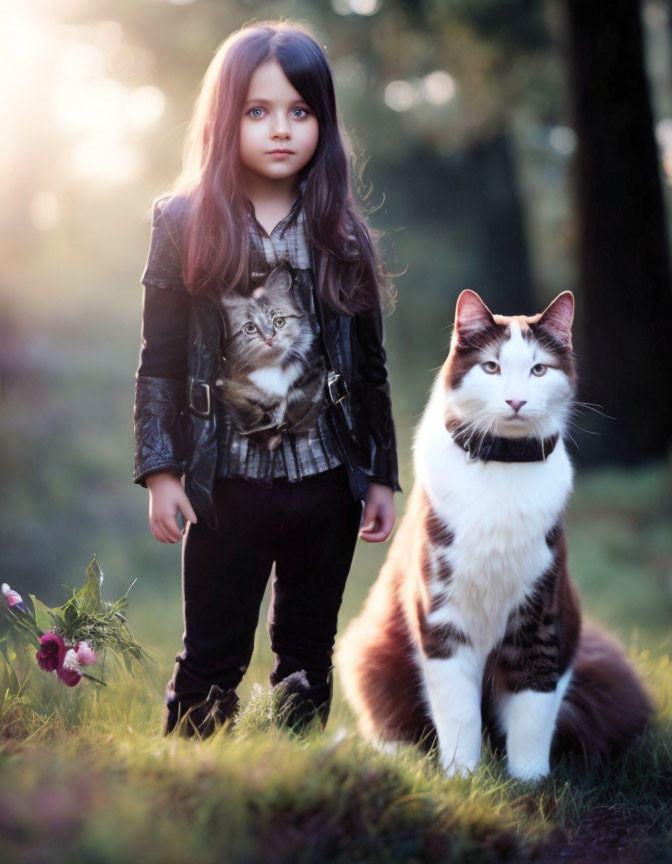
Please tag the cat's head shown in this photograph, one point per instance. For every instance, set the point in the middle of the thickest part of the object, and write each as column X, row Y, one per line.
column 511, row 376
column 265, row 327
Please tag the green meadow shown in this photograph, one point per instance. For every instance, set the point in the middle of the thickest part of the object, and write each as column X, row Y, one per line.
column 86, row 777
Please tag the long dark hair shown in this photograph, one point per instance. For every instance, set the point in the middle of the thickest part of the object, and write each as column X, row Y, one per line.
column 217, row 244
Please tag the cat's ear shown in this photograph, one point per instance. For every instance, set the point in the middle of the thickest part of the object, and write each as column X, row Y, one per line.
column 279, row 280
column 557, row 317
column 471, row 314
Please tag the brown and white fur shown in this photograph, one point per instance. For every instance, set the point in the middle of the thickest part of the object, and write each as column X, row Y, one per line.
column 473, row 621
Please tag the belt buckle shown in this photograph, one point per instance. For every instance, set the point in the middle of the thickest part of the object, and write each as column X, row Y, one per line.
column 336, row 387
column 192, row 406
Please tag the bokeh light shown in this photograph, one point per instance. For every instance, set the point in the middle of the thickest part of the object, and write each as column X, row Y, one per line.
column 356, row 7
column 55, row 81
column 664, row 139
column 401, row 95
column 562, row 139
column 438, row 87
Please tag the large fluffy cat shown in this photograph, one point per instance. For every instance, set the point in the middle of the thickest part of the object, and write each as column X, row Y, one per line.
column 473, row 620
column 273, row 376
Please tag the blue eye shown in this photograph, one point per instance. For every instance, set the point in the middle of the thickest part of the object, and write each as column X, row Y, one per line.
column 299, row 113
column 256, row 113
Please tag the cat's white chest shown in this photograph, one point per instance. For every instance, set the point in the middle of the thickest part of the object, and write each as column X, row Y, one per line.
column 274, row 380
column 499, row 515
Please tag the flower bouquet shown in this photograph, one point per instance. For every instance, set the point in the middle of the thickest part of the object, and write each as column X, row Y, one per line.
column 70, row 638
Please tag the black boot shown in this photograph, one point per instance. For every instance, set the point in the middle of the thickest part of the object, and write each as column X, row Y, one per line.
column 199, row 718
column 300, row 704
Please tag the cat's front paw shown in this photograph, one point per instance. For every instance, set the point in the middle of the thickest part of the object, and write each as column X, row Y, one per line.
column 529, row 769
column 458, row 767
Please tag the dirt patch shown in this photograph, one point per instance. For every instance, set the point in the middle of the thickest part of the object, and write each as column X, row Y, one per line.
column 606, row 836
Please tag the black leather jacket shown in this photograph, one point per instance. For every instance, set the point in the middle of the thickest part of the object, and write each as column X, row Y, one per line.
column 175, row 418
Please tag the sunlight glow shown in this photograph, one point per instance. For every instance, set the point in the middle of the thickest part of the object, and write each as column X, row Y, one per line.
column 101, row 114
column 82, row 60
column 45, row 210
column 23, row 45
column 144, row 107
column 57, row 81
column 103, row 159
column 22, row 40
column 94, row 106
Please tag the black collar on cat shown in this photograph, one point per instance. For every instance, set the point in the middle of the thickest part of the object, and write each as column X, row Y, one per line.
column 491, row 448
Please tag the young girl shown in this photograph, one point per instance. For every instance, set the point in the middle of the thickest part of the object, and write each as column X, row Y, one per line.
column 262, row 381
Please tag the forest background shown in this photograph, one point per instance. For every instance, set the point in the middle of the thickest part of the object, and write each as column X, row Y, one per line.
column 516, row 147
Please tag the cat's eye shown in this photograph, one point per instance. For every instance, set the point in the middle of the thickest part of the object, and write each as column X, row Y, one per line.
column 279, row 322
column 539, row 369
column 249, row 328
column 490, row 367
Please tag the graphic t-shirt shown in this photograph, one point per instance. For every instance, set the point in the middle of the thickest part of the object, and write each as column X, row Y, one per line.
column 271, row 388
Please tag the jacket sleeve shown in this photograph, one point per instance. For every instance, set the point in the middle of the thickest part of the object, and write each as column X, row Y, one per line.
column 373, row 398
column 159, row 422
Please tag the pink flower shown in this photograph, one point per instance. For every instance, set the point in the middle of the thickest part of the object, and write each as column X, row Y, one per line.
column 85, row 654
column 70, row 661
column 51, row 658
column 51, row 653
column 70, row 672
column 70, row 677
column 13, row 597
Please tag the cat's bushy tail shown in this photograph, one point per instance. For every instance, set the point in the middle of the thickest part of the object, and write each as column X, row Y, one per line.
column 606, row 707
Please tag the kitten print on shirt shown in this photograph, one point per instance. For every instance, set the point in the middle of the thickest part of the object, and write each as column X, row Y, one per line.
column 273, row 373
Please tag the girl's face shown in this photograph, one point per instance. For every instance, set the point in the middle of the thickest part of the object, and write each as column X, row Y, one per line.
column 278, row 131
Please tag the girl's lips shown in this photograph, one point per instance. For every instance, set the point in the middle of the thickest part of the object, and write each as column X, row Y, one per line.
column 277, row 154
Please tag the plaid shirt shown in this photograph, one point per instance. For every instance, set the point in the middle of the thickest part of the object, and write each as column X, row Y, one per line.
column 300, row 454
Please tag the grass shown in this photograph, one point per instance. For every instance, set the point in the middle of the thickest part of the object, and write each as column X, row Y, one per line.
column 86, row 777
column 94, row 778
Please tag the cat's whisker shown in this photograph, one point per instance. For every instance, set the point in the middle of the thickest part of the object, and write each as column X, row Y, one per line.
column 586, row 431
column 470, row 428
column 572, row 439
column 573, row 424
column 591, row 406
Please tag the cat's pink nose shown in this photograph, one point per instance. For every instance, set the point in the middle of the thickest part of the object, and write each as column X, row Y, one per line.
column 269, row 342
column 516, row 404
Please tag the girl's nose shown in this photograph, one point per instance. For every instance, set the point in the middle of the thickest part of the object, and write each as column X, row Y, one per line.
column 280, row 128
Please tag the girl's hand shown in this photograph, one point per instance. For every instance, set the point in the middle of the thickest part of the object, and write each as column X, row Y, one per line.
column 166, row 497
column 378, row 519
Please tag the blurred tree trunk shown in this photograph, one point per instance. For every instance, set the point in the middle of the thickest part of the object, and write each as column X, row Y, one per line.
column 624, row 269
column 498, row 211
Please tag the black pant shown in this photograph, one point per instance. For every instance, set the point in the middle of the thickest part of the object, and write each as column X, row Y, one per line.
column 309, row 530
